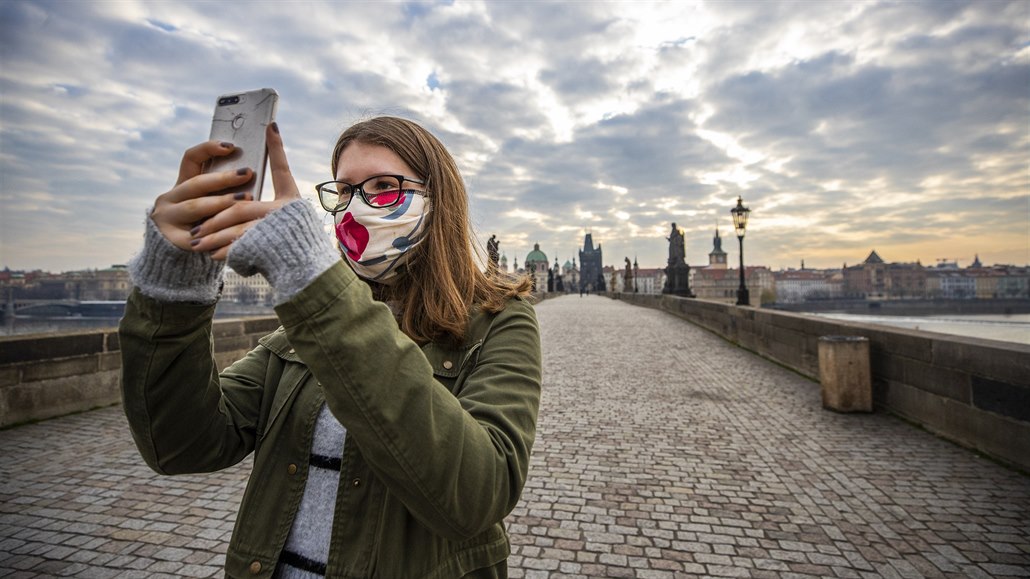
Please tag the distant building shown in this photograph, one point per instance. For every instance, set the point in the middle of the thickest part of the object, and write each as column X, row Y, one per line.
column 951, row 284
column 996, row 282
column 650, row 280
column 793, row 286
column 111, row 284
column 536, row 265
column 1015, row 283
column 253, row 290
column 875, row 279
column 721, row 284
column 591, row 269
column 717, row 257
column 947, row 281
column 717, row 282
column 570, row 275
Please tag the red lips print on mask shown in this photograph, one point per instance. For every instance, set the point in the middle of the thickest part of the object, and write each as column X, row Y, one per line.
column 353, row 236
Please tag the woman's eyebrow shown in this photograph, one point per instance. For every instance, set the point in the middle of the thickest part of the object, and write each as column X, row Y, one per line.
column 378, row 173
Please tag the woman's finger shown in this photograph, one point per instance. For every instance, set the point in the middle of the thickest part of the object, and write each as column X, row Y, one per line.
column 210, row 232
column 176, row 220
column 186, row 214
column 194, row 159
column 282, row 179
column 206, row 184
column 218, row 244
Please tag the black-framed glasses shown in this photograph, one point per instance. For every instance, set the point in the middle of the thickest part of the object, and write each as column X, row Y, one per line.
column 379, row 191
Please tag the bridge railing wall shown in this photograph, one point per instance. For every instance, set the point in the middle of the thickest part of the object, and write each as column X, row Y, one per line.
column 974, row 392
column 48, row 375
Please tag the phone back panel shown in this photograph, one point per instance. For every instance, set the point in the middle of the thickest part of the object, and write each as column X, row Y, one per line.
column 241, row 118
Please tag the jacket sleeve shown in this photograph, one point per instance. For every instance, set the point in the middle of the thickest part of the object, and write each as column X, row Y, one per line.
column 183, row 416
column 457, row 463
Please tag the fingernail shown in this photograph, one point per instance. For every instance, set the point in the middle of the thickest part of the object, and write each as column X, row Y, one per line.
column 194, row 242
column 275, row 127
column 240, row 195
column 242, row 171
column 226, row 145
column 195, row 230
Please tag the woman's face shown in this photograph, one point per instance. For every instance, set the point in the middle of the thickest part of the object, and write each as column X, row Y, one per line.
column 378, row 230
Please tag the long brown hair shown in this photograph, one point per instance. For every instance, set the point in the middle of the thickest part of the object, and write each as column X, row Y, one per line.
column 443, row 283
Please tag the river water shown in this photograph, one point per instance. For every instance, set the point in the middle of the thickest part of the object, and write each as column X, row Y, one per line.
column 33, row 325
column 24, row 325
column 1007, row 328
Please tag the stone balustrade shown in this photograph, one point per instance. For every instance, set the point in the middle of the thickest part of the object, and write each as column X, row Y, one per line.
column 48, row 375
column 972, row 391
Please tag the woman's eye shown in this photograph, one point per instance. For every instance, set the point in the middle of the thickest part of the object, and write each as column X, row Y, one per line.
column 384, row 185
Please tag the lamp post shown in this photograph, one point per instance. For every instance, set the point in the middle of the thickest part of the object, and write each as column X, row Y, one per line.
column 740, row 215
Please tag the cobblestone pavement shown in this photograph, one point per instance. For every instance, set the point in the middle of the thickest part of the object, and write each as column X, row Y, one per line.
column 662, row 451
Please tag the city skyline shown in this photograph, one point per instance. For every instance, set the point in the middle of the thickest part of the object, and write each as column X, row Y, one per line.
column 617, row 261
column 846, row 128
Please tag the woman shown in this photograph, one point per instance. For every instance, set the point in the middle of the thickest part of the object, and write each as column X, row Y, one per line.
column 393, row 413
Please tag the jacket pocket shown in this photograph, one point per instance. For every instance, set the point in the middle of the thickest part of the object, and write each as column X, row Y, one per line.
column 291, row 375
column 452, row 365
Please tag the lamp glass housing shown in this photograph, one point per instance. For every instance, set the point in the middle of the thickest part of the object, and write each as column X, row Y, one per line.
column 740, row 215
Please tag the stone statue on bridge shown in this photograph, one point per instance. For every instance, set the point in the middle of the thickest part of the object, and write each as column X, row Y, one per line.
column 677, row 272
column 677, row 247
column 493, row 251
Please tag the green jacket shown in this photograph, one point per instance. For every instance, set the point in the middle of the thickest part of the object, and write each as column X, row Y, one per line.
column 438, row 438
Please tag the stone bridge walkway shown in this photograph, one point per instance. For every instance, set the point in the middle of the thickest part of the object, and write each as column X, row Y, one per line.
column 662, row 451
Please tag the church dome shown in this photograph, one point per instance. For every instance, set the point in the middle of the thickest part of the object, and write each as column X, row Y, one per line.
column 536, row 255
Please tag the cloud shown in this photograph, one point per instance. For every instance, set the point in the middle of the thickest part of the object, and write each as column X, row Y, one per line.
column 843, row 126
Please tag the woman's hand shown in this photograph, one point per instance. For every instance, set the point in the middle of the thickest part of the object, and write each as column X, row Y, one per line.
column 227, row 221
column 194, row 198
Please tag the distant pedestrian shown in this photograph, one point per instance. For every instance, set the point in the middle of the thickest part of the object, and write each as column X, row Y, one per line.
column 392, row 416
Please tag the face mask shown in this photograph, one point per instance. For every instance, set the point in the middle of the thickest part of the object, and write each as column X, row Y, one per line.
column 377, row 241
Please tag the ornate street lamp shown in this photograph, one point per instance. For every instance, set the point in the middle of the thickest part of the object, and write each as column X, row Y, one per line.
column 740, row 215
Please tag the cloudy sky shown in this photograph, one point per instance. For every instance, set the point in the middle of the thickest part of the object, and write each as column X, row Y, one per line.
column 845, row 126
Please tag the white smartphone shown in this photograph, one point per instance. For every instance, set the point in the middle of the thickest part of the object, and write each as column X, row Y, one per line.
column 241, row 118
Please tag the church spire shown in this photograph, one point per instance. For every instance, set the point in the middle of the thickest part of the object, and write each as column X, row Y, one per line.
column 717, row 258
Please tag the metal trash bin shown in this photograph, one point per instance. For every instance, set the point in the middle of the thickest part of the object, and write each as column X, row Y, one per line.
column 844, row 373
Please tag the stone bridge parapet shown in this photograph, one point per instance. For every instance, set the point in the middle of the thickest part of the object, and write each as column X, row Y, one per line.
column 48, row 375
column 972, row 391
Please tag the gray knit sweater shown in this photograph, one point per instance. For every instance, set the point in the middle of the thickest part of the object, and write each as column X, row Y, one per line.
column 290, row 249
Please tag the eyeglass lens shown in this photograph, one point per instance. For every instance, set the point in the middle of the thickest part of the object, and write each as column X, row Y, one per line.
column 378, row 191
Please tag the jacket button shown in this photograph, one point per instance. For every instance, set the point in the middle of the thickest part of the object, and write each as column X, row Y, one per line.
column 292, row 469
column 448, row 365
column 356, row 482
column 255, row 567
column 292, row 351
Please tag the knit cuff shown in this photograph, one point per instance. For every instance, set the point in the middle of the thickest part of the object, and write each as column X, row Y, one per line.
column 288, row 247
column 166, row 273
